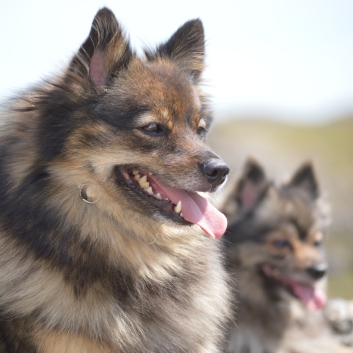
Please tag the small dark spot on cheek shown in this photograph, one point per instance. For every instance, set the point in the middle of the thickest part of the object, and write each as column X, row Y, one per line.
column 90, row 167
column 279, row 257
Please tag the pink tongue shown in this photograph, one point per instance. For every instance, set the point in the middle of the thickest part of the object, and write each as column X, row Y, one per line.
column 196, row 209
column 312, row 297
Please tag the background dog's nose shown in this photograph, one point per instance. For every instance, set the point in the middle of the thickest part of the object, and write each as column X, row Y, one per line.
column 317, row 271
column 215, row 171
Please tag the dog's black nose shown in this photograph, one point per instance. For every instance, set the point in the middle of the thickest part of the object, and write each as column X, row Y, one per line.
column 215, row 171
column 317, row 271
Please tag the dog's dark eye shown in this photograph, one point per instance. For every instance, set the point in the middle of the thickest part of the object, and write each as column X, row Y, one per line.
column 154, row 129
column 280, row 243
column 317, row 243
column 201, row 131
column 201, row 128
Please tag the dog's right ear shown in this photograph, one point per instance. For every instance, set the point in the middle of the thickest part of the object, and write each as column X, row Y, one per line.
column 186, row 48
column 103, row 54
column 305, row 178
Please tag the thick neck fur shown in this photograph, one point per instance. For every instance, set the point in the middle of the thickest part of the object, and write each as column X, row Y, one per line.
column 261, row 320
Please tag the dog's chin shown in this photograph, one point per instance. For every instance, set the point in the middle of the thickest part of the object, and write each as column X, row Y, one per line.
column 142, row 186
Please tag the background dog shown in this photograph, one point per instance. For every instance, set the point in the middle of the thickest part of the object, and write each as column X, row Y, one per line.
column 101, row 247
column 275, row 254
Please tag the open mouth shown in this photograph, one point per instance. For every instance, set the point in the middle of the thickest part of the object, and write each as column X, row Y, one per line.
column 181, row 206
column 312, row 296
column 142, row 182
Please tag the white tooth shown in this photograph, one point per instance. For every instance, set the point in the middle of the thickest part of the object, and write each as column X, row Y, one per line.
column 149, row 190
column 177, row 208
column 166, row 199
column 135, row 171
column 150, row 173
column 158, row 196
column 137, row 176
column 143, row 182
column 181, row 214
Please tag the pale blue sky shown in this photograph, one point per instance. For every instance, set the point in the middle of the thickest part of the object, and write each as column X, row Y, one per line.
column 288, row 58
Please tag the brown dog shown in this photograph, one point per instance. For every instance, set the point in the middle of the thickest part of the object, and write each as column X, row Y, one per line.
column 106, row 245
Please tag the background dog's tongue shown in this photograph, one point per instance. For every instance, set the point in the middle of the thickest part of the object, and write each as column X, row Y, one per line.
column 312, row 297
column 196, row 209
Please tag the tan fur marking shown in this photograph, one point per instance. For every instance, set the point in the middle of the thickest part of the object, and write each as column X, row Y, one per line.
column 56, row 342
column 202, row 124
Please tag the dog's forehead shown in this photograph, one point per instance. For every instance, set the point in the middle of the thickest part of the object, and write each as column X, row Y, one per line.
column 164, row 89
column 301, row 213
column 283, row 208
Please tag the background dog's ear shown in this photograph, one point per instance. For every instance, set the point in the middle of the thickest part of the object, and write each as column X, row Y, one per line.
column 252, row 185
column 186, row 48
column 249, row 190
column 305, row 179
column 104, row 53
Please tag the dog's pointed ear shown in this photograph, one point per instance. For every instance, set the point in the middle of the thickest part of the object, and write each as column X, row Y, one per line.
column 251, row 186
column 104, row 53
column 305, row 179
column 186, row 48
column 249, row 189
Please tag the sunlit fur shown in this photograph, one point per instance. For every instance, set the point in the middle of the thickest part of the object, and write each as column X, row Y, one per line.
column 268, row 318
column 114, row 275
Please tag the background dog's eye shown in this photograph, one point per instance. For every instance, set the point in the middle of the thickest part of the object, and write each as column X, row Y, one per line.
column 154, row 129
column 201, row 131
column 281, row 243
column 317, row 243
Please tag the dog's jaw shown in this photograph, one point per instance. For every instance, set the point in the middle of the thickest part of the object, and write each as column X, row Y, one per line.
column 181, row 206
column 308, row 293
column 139, row 182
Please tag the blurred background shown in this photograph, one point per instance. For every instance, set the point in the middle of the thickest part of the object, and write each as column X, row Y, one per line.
column 280, row 73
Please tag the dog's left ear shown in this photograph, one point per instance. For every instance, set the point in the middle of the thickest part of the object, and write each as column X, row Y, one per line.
column 105, row 52
column 249, row 190
column 186, row 48
column 252, row 185
column 305, row 179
